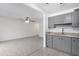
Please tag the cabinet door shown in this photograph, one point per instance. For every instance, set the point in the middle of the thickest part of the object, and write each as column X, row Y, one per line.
column 49, row 41
column 66, row 44
column 75, row 46
column 56, row 42
column 59, row 19
column 68, row 18
column 62, row 43
column 51, row 22
column 75, row 19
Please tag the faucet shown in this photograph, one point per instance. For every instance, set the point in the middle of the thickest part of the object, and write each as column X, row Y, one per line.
column 62, row 30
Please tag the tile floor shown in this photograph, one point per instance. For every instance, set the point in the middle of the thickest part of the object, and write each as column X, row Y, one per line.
column 49, row 52
column 31, row 46
column 20, row 47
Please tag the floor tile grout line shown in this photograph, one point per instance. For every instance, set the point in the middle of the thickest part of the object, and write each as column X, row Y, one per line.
column 34, row 51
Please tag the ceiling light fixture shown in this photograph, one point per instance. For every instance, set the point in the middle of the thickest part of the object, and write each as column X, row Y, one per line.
column 28, row 20
column 46, row 3
column 61, row 4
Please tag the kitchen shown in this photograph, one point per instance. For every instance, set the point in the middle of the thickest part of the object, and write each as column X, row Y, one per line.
column 39, row 29
column 63, row 31
column 45, row 30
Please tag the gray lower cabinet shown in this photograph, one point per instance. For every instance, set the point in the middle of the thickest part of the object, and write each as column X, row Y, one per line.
column 62, row 43
column 66, row 44
column 49, row 41
column 75, row 46
column 56, row 42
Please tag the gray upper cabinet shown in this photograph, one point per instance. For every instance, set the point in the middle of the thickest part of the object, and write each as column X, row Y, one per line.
column 75, row 18
column 50, row 22
column 49, row 41
column 75, row 46
column 68, row 18
column 64, row 18
column 59, row 19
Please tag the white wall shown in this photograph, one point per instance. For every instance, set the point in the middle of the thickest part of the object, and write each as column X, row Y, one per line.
column 15, row 28
column 46, row 23
column 20, row 11
column 41, row 28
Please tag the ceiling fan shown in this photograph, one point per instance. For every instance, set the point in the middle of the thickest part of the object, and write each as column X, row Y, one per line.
column 28, row 20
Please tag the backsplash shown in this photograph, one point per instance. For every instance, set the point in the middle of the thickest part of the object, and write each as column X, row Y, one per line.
column 66, row 30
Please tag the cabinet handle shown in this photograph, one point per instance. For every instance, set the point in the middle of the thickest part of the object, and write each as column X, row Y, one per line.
column 47, row 45
column 61, row 39
column 73, row 40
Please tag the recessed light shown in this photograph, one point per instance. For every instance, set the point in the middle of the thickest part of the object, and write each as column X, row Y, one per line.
column 61, row 4
column 46, row 3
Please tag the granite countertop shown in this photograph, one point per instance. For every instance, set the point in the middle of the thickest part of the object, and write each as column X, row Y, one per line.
column 76, row 35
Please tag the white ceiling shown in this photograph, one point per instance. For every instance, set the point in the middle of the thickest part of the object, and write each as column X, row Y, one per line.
column 22, row 10
column 18, row 10
column 51, row 8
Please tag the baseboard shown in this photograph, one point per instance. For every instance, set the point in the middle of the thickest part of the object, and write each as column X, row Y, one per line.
column 20, row 38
